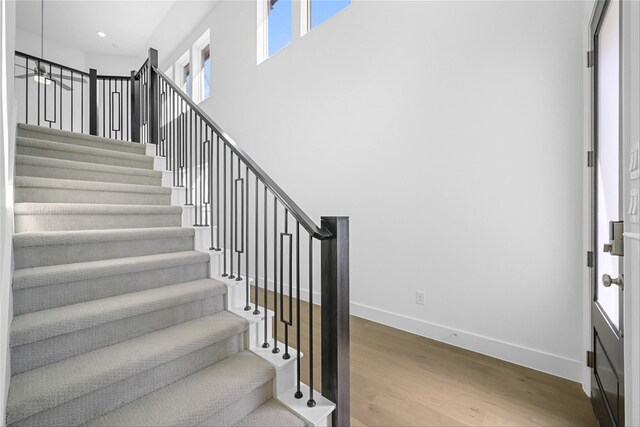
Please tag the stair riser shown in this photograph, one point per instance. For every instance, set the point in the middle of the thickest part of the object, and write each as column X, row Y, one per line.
column 93, row 222
column 40, row 353
column 84, row 175
column 56, row 295
column 57, row 195
column 28, row 133
column 82, row 157
column 38, row 256
column 91, row 405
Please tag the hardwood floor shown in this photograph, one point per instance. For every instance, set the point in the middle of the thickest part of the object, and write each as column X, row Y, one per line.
column 401, row 379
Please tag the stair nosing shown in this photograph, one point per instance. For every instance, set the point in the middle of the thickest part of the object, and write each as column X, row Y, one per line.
column 33, row 277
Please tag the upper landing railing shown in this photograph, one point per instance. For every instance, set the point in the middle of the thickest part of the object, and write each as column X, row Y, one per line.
column 266, row 241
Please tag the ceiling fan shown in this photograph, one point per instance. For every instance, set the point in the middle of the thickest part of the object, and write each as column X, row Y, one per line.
column 39, row 72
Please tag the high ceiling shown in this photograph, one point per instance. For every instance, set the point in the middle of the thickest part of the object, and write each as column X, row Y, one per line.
column 129, row 25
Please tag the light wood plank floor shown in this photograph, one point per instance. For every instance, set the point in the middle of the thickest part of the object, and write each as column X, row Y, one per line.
column 401, row 379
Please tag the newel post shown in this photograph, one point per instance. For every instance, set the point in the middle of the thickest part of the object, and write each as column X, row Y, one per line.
column 154, row 121
column 93, row 101
column 335, row 318
column 135, row 108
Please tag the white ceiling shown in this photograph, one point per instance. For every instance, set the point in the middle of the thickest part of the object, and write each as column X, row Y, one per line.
column 129, row 25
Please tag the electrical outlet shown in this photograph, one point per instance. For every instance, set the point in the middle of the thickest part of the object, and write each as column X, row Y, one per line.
column 420, row 297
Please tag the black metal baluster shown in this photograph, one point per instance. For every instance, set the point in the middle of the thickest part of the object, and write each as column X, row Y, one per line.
column 265, row 289
column 103, row 109
column 61, row 96
column 26, row 92
column 120, row 110
column 71, row 83
column 38, row 86
column 110, row 108
column 209, row 212
column 311, row 402
column 298, row 394
column 217, row 245
column 224, row 210
column 275, row 275
column 232, row 230
column 256, row 284
column 241, row 225
column 286, row 322
column 245, row 234
column 82, row 106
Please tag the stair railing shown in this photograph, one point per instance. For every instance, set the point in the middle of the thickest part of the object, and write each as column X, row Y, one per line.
column 266, row 241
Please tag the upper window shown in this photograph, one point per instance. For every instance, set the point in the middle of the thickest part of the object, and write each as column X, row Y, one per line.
column 193, row 69
column 186, row 79
column 321, row 10
column 205, row 72
column 279, row 25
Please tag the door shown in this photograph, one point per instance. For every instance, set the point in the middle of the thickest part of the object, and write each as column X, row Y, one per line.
column 607, row 382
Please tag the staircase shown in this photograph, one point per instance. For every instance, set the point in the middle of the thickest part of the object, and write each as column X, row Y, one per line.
column 116, row 318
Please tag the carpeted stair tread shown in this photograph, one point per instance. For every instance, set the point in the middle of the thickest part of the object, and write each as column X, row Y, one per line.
column 84, row 166
column 57, row 135
column 52, row 385
column 46, row 238
column 71, row 184
column 91, row 209
column 272, row 413
column 93, row 216
column 42, row 248
column 64, row 273
column 194, row 399
column 88, row 154
column 39, row 325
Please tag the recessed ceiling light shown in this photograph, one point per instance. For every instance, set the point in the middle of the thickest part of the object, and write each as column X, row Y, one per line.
column 101, row 34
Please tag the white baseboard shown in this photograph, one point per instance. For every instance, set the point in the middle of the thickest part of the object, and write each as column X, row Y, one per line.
column 530, row 358
column 559, row 366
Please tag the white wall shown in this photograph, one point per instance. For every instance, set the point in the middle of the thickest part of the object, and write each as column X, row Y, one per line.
column 53, row 51
column 119, row 65
column 451, row 134
column 7, row 130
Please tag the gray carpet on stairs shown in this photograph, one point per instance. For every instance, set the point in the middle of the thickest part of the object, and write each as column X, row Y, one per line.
column 115, row 319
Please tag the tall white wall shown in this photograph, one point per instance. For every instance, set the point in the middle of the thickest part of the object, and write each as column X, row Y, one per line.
column 7, row 150
column 451, row 133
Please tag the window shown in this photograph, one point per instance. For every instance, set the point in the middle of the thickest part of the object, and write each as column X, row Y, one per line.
column 205, row 72
column 182, row 72
column 186, row 79
column 321, row 10
column 274, row 27
column 315, row 12
column 192, row 71
column 279, row 25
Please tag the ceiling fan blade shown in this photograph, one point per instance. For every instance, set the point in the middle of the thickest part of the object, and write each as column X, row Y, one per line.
column 26, row 76
column 64, row 86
